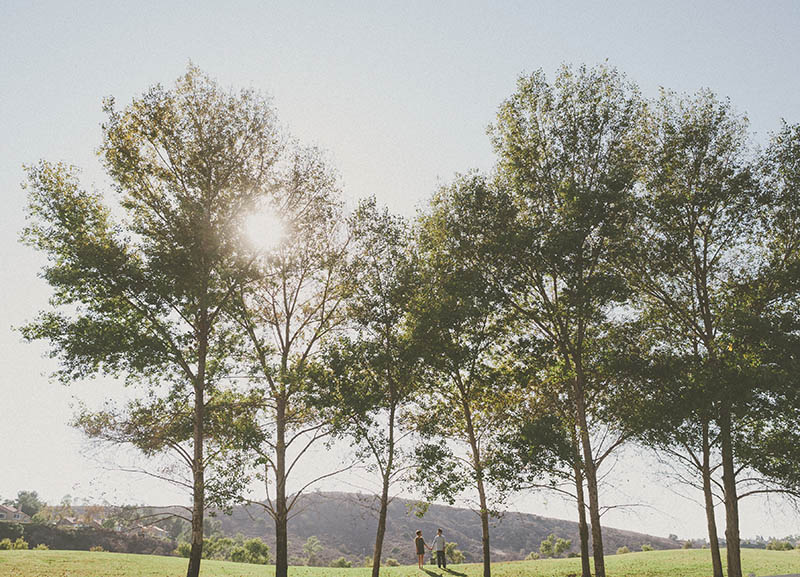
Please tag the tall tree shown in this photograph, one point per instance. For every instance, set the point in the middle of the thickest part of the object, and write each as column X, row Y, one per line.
column 695, row 232
column 143, row 298
column 374, row 370
column 457, row 318
column 768, row 323
column 296, row 302
column 569, row 156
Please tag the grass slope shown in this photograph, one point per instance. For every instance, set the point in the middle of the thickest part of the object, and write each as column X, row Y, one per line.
column 674, row 563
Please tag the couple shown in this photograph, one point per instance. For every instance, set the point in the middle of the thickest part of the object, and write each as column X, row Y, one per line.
column 438, row 546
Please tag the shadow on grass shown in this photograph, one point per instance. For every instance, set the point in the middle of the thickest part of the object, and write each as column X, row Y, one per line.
column 450, row 571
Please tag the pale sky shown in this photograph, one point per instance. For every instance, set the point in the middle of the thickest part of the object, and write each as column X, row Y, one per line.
column 398, row 93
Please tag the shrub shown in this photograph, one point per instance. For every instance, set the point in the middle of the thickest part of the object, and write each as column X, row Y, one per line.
column 41, row 547
column 20, row 543
column 775, row 545
column 5, row 544
column 453, row 555
column 687, row 545
column 622, row 550
column 367, row 561
column 392, row 562
column 341, row 562
column 257, row 552
column 546, row 546
column 183, row 549
column 561, row 546
column 647, row 547
column 532, row 556
column 96, row 549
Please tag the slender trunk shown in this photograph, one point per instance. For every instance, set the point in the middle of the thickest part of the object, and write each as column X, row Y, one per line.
column 198, row 493
column 384, row 503
column 484, row 509
column 281, row 513
column 583, row 526
column 731, row 498
column 713, row 540
column 198, row 466
column 487, row 568
column 591, row 478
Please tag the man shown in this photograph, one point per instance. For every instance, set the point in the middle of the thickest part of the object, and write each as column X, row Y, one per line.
column 438, row 546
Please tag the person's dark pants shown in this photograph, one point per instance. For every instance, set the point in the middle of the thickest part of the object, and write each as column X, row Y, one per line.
column 441, row 562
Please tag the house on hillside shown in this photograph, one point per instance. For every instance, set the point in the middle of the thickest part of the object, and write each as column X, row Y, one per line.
column 14, row 515
column 67, row 522
column 78, row 523
column 149, row 531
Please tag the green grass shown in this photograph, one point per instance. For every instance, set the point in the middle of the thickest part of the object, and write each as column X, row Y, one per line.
column 676, row 563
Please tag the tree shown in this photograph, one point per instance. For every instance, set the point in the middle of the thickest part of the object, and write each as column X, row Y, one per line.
column 453, row 554
column 374, row 370
column 696, row 221
column 144, row 297
column 28, row 502
column 284, row 317
column 311, row 547
column 457, row 318
column 546, row 546
column 569, row 158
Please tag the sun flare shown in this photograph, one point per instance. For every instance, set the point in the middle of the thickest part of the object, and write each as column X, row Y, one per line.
column 264, row 229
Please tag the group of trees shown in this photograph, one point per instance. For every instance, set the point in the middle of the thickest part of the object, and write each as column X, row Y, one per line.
column 628, row 272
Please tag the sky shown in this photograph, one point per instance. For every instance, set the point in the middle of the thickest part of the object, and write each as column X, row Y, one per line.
column 399, row 95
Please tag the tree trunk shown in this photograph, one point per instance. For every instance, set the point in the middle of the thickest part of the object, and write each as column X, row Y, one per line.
column 281, row 513
column 583, row 527
column 487, row 567
column 376, row 557
column 731, row 498
column 478, row 466
column 198, row 489
column 713, row 540
column 198, row 466
column 384, row 503
column 591, row 479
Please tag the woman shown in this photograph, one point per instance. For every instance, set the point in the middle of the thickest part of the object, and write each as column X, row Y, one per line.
column 420, row 544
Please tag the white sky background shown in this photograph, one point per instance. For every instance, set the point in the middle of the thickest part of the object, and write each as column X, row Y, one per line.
column 398, row 93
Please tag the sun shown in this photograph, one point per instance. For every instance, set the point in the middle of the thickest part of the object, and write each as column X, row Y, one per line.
column 264, row 229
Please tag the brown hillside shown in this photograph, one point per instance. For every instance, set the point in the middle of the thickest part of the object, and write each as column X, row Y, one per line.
column 345, row 525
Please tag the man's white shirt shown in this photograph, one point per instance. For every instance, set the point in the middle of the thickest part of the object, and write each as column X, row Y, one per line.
column 438, row 543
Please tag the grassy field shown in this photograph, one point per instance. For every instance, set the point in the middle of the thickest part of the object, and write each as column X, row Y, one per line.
column 676, row 563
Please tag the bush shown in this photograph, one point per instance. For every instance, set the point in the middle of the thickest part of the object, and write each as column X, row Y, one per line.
column 647, row 547
column 532, row 556
column 775, row 545
column 41, row 547
column 183, row 549
column 11, row 530
column 5, row 544
column 392, row 562
column 546, row 546
column 453, row 555
column 687, row 545
column 20, row 543
column 341, row 562
column 622, row 550
column 96, row 549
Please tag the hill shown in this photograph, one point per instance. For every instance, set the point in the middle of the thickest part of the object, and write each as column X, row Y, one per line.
column 345, row 525
column 686, row 563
